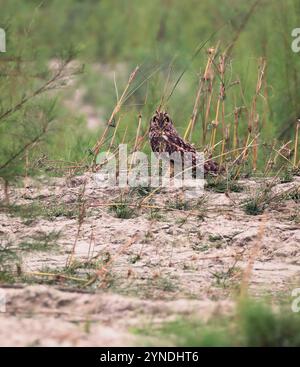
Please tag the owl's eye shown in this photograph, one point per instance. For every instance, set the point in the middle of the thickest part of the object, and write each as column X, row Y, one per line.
column 166, row 119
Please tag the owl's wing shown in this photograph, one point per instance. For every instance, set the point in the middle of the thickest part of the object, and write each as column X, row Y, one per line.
column 176, row 143
column 198, row 160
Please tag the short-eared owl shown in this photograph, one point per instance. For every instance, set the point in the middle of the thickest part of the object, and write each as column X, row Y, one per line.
column 165, row 139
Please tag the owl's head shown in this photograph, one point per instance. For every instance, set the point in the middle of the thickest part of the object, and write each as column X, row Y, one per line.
column 161, row 120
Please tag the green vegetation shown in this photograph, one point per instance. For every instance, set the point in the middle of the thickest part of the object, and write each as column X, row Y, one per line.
column 263, row 198
column 287, row 176
column 294, row 195
column 35, row 210
column 253, row 207
column 41, row 242
column 261, row 89
column 179, row 204
column 165, row 284
column 7, row 258
column 254, row 325
column 220, row 185
column 155, row 214
column 122, row 209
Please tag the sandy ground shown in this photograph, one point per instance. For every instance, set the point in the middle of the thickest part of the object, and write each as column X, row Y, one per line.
column 130, row 273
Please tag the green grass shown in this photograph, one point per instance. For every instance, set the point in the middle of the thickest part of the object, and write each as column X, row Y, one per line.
column 287, row 176
column 263, row 198
column 221, row 185
column 227, row 278
column 295, row 217
column 215, row 238
column 35, row 210
column 253, row 207
column 8, row 261
column 200, row 247
column 7, row 277
column 155, row 214
column 178, row 204
column 253, row 325
column 41, row 242
column 143, row 191
column 35, row 246
column 294, row 195
column 165, row 284
column 122, row 209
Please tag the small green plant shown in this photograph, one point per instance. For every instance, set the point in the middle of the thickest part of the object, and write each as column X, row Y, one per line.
column 8, row 260
column 214, row 238
column 228, row 277
column 6, row 254
column 287, row 176
column 148, row 237
column 30, row 212
column 295, row 217
column 6, row 277
column 24, row 211
column 61, row 210
column 258, row 202
column 155, row 214
column 221, row 185
column 178, row 204
column 264, row 197
column 166, row 284
column 200, row 247
column 201, row 216
column 48, row 238
column 294, row 195
column 253, row 207
column 181, row 221
column 143, row 191
column 34, row 246
column 135, row 258
column 41, row 242
column 122, row 209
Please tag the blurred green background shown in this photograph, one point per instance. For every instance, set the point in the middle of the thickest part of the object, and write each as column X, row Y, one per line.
column 111, row 37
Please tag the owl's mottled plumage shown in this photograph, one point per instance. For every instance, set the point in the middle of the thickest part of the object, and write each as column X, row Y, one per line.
column 165, row 139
